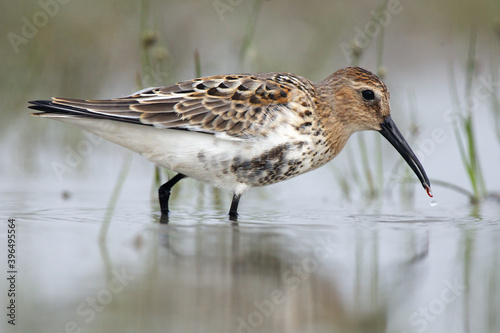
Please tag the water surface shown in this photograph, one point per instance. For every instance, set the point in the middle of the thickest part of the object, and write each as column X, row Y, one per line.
column 279, row 269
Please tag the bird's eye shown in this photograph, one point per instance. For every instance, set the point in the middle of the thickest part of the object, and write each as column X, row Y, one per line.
column 368, row 95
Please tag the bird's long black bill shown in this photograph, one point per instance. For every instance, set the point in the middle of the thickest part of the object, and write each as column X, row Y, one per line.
column 391, row 132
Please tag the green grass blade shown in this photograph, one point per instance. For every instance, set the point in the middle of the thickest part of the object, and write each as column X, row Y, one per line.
column 115, row 196
column 251, row 25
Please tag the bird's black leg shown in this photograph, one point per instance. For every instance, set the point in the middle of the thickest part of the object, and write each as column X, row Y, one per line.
column 233, row 211
column 164, row 192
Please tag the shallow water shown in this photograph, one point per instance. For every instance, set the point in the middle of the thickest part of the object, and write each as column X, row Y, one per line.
column 303, row 258
column 279, row 269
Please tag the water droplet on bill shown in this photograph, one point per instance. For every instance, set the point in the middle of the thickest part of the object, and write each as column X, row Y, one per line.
column 428, row 189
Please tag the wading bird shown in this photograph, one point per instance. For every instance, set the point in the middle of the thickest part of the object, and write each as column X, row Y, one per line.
column 242, row 130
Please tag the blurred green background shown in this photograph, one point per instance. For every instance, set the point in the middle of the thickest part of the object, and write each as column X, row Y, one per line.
column 103, row 49
column 391, row 254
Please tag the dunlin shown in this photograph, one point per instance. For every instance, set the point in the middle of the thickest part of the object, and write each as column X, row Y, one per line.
column 242, row 130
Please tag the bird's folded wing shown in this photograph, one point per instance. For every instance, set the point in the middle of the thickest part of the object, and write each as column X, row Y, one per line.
column 236, row 105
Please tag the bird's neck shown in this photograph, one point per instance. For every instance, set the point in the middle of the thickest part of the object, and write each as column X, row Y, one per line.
column 335, row 131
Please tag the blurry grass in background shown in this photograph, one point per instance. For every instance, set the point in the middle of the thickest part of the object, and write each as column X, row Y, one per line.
column 371, row 182
column 107, row 50
column 495, row 71
column 215, row 193
column 466, row 138
column 154, row 72
column 463, row 123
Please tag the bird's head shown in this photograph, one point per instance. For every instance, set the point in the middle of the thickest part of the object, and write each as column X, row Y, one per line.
column 359, row 101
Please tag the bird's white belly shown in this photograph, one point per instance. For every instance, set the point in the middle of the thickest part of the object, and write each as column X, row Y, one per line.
column 234, row 165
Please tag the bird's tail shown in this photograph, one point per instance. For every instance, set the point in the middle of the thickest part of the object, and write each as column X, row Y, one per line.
column 74, row 108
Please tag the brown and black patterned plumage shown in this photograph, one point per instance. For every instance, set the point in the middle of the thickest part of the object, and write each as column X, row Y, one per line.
column 239, row 105
column 242, row 130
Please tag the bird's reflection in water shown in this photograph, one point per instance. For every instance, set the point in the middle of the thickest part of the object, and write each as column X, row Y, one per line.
column 243, row 277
